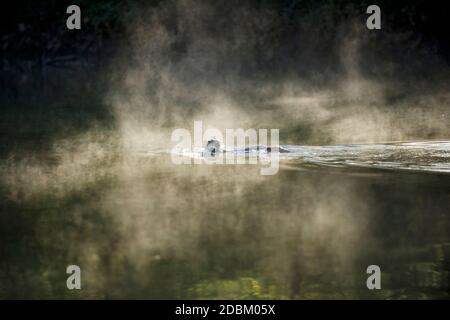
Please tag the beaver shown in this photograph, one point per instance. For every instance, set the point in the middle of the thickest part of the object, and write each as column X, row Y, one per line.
column 213, row 148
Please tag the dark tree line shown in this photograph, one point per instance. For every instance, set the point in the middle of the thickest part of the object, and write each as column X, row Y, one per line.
column 35, row 37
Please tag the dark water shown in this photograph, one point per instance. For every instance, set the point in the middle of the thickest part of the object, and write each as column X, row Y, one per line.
column 141, row 227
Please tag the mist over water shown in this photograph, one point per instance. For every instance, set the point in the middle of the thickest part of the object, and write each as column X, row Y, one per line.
column 366, row 180
column 227, row 66
column 142, row 227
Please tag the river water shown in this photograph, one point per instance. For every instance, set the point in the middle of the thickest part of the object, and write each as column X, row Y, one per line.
column 140, row 226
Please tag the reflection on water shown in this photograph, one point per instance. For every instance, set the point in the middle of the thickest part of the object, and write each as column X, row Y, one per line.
column 142, row 227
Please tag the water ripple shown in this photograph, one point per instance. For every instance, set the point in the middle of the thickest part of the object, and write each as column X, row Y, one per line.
column 431, row 156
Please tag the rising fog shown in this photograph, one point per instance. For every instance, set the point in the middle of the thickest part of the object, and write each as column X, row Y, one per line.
column 321, row 78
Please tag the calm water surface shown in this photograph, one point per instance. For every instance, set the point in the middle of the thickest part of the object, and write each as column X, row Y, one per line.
column 142, row 227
